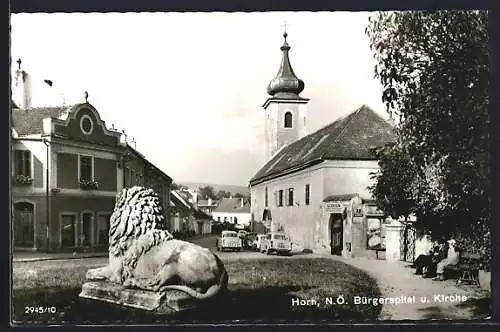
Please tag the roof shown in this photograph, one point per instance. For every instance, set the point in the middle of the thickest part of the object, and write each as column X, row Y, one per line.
column 204, row 202
column 232, row 205
column 30, row 121
column 180, row 202
column 345, row 197
column 351, row 137
column 198, row 214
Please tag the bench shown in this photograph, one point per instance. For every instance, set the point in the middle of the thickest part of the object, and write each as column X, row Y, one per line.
column 466, row 269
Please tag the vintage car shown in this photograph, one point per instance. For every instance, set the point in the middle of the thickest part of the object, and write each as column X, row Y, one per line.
column 278, row 243
column 257, row 241
column 242, row 234
column 229, row 240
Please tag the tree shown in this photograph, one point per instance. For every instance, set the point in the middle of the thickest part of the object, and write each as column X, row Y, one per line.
column 207, row 192
column 434, row 69
column 223, row 194
column 393, row 181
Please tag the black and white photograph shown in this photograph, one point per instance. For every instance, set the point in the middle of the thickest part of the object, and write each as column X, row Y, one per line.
column 250, row 167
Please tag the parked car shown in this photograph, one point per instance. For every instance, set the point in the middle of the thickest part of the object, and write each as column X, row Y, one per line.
column 242, row 234
column 229, row 240
column 257, row 241
column 276, row 242
column 249, row 240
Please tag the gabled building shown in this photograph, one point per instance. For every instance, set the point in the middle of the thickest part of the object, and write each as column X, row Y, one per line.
column 67, row 167
column 207, row 205
column 314, row 186
column 185, row 216
column 234, row 211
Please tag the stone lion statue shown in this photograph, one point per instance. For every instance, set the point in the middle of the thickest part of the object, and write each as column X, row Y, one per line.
column 145, row 257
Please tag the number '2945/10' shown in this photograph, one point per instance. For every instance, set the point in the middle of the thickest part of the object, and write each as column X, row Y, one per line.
column 39, row 310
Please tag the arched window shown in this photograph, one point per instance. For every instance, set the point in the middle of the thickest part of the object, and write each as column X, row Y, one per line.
column 288, row 119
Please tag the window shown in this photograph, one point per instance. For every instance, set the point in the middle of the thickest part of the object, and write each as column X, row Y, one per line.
column 22, row 160
column 288, row 119
column 265, row 198
column 86, row 168
column 218, row 219
column 235, row 220
column 290, row 197
column 280, row 198
column 307, row 194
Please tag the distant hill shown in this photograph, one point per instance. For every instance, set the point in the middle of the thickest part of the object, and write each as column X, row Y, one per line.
column 232, row 189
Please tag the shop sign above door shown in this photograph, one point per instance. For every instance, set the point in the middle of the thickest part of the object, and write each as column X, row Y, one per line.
column 334, row 207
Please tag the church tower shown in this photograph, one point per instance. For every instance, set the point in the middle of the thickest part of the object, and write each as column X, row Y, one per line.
column 22, row 88
column 285, row 111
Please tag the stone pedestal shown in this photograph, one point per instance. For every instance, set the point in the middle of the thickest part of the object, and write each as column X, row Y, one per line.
column 155, row 302
column 393, row 241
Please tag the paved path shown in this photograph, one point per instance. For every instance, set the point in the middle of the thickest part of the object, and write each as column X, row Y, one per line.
column 396, row 279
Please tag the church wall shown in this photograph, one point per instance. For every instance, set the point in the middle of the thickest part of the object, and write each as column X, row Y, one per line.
column 271, row 114
column 348, row 177
column 300, row 220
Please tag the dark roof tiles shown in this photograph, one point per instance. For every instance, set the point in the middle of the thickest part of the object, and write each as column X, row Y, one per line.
column 351, row 137
column 30, row 121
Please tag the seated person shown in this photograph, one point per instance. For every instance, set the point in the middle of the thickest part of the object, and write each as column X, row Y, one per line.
column 439, row 255
column 452, row 258
column 423, row 261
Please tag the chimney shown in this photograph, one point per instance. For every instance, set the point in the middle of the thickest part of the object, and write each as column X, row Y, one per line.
column 209, row 201
column 23, row 87
column 242, row 201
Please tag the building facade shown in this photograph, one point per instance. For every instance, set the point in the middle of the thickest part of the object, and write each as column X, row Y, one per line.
column 186, row 217
column 67, row 168
column 233, row 210
column 314, row 186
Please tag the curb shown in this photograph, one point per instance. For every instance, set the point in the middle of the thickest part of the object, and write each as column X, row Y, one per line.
column 54, row 258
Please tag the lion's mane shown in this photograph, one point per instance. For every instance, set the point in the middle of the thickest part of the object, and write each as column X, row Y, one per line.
column 133, row 226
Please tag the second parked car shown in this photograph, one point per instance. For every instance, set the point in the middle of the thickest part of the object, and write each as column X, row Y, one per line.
column 278, row 243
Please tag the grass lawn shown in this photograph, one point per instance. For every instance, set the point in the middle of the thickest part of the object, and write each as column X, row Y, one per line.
column 259, row 289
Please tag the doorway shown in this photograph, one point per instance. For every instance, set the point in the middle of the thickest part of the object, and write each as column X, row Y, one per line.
column 86, row 239
column 336, row 227
column 24, row 226
column 103, row 240
column 68, row 230
column 200, row 227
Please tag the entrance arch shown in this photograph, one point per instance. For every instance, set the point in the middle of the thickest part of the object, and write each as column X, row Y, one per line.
column 24, row 224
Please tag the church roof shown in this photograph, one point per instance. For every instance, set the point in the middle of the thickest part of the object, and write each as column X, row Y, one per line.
column 30, row 121
column 352, row 137
column 286, row 84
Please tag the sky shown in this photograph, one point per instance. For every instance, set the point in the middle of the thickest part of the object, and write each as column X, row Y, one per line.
column 189, row 87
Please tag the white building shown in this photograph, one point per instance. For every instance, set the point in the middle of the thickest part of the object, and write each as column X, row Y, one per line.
column 315, row 186
column 233, row 210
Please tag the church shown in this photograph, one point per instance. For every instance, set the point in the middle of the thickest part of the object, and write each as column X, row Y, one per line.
column 314, row 186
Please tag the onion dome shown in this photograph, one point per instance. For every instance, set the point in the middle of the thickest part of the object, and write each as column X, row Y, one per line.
column 285, row 84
